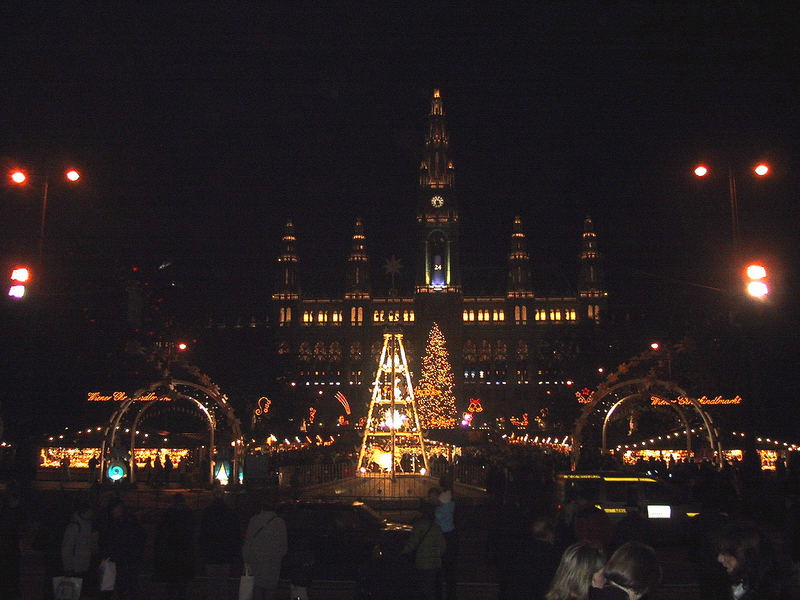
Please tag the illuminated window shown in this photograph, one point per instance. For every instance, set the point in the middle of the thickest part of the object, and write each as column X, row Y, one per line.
column 360, row 315
column 472, row 315
column 499, row 315
column 466, row 315
column 411, row 315
column 353, row 313
column 376, row 317
column 470, row 351
column 558, row 315
column 394, row 316
column 521, row 314
column 590, row 311
column 336, row 317
column 572, row 315
column 308, row 317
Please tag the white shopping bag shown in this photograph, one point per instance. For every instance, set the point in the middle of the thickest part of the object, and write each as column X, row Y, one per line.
column 246, row 584
column 108, row 575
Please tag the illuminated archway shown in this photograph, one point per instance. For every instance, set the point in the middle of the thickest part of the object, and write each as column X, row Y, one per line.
column 640, row 391
column 207, row 399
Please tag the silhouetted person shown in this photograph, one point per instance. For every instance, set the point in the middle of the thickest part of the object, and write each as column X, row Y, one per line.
column 168, row 466
column 749, row 560
column 426, row 545
column 122, row 540
column 173, row 549
column 533, row 568
column 93, row 464
column 158, row 471
column 265, row 545
column 79, row 544
column 220, row 542
column 632, row 573
column 11, row 524
column 572, row 579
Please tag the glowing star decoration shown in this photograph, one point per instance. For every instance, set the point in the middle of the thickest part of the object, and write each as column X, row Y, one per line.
column 475, row 405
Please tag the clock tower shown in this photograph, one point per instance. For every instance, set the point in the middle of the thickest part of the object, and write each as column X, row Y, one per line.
column 438, row 268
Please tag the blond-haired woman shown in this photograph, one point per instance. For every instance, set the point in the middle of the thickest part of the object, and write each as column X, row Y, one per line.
column 573, row 576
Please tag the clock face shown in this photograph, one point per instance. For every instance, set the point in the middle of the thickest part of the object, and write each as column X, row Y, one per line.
column 437, row 202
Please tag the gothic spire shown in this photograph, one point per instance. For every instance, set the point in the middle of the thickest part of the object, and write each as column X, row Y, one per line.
column 436, row 170
column 287, row 288
column 358, row 265
column 591, row 291
column 519, row 263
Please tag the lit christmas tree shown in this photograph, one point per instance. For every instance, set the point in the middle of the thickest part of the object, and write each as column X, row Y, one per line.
column 437, row 405
column 392, row 440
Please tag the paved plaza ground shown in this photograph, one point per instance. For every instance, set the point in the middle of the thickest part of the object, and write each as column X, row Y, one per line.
column 477, row 576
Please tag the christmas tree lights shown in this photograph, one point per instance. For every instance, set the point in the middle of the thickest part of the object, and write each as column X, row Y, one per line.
column 437, row 405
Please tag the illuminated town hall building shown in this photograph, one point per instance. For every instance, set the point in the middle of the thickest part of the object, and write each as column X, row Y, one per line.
column 501, row 346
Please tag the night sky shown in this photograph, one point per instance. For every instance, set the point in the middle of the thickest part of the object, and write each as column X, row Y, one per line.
column 200, row 130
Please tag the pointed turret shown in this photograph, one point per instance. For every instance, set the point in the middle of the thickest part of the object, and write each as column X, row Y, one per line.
column 436, row 170
column 591, row 291
column 519, row 264
column 287, row 288
column 357, row 281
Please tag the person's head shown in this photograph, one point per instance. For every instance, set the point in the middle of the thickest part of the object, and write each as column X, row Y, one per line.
column 433, row 496
column 85, row 510
column 634, row 568
column 268, row 502
column 542, row 528
column 117, row 508
column 574, row 573
column 744, row 552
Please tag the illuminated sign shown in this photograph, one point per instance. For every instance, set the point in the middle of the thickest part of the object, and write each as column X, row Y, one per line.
column 704, row 400
column 122, row 397
column 658, row 511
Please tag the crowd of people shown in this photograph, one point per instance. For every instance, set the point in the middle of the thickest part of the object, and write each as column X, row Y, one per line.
column 737, row 551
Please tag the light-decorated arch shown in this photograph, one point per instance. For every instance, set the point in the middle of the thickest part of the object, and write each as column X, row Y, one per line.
column 213, row 406
column 607, row 405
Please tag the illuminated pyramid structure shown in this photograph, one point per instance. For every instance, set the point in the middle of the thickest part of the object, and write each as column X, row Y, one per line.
column 392, row 436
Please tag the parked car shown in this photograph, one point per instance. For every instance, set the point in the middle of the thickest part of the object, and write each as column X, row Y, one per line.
column 667, row 508
column 344, row 541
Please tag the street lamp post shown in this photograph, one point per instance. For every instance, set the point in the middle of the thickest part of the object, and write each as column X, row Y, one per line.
column 20, row 177
column 761, row 169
